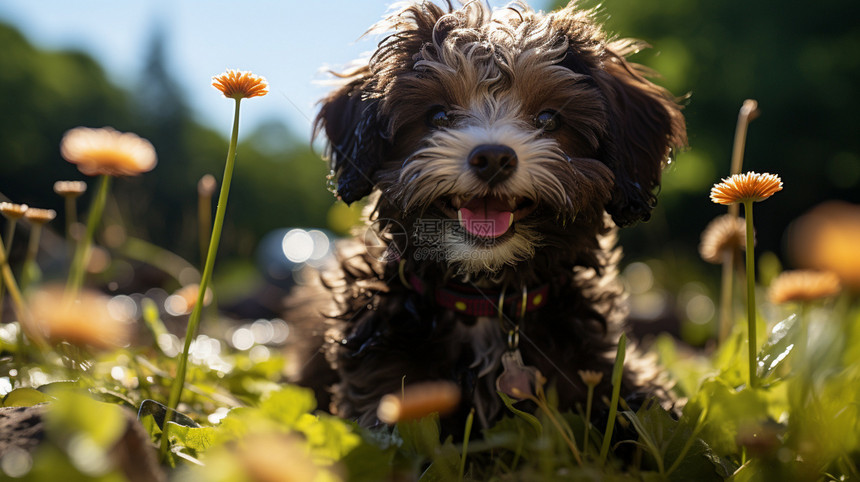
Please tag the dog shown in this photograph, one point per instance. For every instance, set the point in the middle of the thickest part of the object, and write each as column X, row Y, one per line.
column 498, row 152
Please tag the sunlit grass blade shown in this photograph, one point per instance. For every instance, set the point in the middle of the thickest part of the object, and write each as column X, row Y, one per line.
column 617, row 372
column 82, row 253
column 466, row 435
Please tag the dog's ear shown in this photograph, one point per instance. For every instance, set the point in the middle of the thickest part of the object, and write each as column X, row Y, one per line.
column 644, row 125
column 355, row 137
column 359, row 129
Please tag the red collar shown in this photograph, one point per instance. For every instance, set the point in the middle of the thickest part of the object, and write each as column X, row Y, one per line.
column 474, row 301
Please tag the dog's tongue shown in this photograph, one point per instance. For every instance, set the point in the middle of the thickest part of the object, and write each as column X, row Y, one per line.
column 487, row 217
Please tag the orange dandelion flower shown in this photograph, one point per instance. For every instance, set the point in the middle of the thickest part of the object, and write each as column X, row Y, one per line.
column 13, row 211
column 85, row 321
column 590, row 378
column 803, row 285
column 237, row 84
column 825, row 239
column 40, row 216
column 750, row 186
column 419, row 400
column 107, row 151
column 71, row 189
column 722, row 235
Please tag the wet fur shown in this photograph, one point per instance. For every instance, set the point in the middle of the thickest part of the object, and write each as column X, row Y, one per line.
column 493, row 72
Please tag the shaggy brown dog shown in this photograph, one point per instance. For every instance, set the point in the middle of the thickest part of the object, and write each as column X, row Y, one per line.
column 499, row 151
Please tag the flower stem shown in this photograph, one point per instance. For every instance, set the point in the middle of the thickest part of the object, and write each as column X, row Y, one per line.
column 12, row 285
column 30, row 267
column 10, row 235
column 194, row 318
column 25, row 324
column 748, row 112
column 204, row 222
column 71, row 221
column 82, row 253
column 565, row 434
column 17, row 304
column 726, row 312
column 588, row 403
column 71, row 215
column 617, row 372
column 751, row 317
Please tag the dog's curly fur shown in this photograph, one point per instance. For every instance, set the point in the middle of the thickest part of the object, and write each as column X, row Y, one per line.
column 589, row 135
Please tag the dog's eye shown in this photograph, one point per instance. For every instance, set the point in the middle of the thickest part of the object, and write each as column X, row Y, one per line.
column 437, row 117
column 547, row 120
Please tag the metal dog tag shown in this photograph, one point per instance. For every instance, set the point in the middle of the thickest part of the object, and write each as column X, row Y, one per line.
column 517, row 380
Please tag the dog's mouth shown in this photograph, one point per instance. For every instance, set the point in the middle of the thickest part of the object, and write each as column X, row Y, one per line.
column 486, row 217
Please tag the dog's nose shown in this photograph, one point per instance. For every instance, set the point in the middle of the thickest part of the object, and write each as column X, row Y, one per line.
column 493, row 163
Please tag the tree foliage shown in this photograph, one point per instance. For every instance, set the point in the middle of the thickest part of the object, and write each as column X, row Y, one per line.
column 280, row 181
column 796, row 59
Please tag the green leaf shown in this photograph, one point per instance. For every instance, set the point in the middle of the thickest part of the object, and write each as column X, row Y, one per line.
column 288, row 404
column 726, row 411
column 25, row 397
column 239, row 421
column 508, row 433
column 112, row 396
column 420, row 437
column 269, row 369
column 328, row 437
column 685, row 456
column 73, row 414
column 52, row 463
column 371, row 460
column 196, row 439
column 648, row 442
column 62, row 386
column 777, row 347
column 445, row 466
column 688, row 370
column 730, row 360
column 531, row 419
column 151, row 426
column 157, row 411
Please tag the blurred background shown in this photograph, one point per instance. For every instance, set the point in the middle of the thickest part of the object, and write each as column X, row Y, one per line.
column 146, row 66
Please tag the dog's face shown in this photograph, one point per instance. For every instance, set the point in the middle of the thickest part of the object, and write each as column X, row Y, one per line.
column 510, row 130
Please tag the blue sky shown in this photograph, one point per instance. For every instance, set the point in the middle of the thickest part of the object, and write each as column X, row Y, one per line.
column 289, row 42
